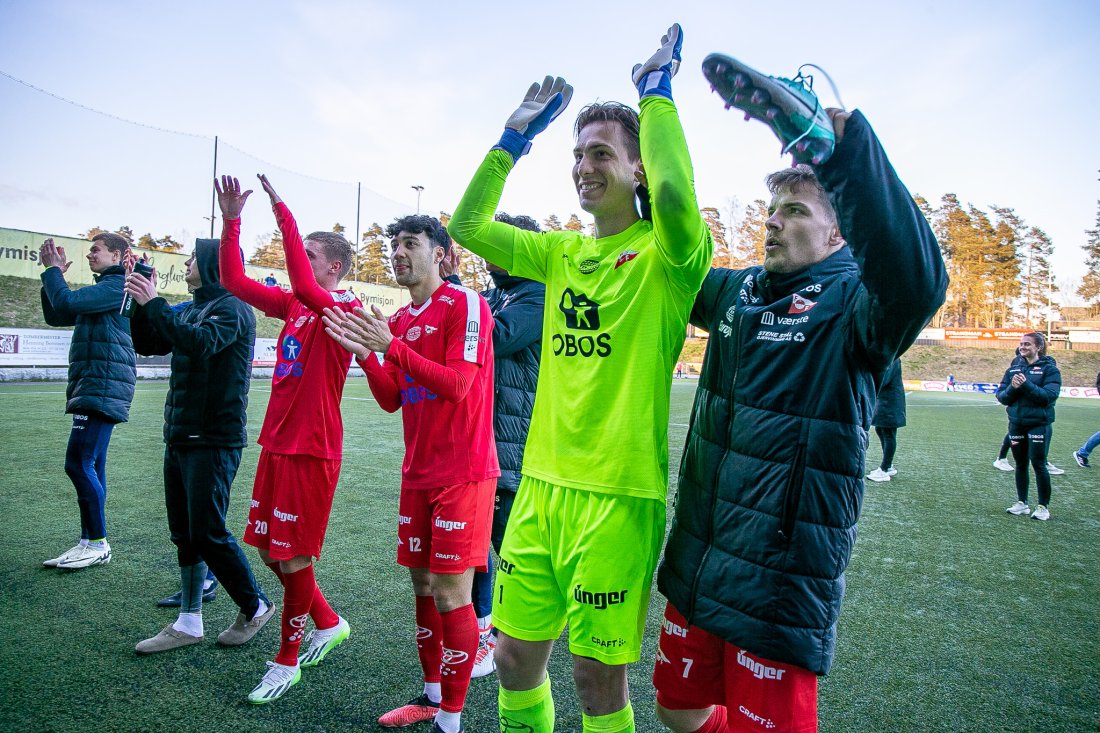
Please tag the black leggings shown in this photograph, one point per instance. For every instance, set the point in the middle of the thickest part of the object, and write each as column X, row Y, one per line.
column 1030, row 443
column 889, row 439
column 1006, row 445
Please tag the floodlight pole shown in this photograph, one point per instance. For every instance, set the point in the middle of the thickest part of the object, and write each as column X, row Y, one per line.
column 213, row 195
column 418, row 190
column 358, row 205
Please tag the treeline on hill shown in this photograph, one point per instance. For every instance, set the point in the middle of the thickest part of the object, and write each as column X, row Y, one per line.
column 999, row 264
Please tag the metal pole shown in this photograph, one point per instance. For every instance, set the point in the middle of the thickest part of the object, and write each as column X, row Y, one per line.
column 358, row 236
column 1050, row 295
column 213, row 195
column 418, row 189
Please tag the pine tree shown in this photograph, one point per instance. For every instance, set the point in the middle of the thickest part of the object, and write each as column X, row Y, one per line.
column 552, row 223
column 269, row 251
column 471, row 270
column 574, row 224
column 747, row 237
column 713, row 219
column 164, row 244
column 1038, row 286
column 1090, row 283
column 373, row 260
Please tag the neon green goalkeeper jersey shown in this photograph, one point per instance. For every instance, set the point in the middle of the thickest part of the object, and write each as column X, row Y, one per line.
column 614, row 322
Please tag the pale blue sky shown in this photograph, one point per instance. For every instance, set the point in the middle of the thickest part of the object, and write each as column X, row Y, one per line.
column 992, row 101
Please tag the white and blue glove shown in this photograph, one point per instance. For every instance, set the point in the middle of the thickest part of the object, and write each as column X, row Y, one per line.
column 541, row 106
column 654, row 77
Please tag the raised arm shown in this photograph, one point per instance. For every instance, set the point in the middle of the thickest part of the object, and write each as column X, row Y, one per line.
column 682, row 235
column 472, row 225
column 902, row 268
column 298, row 268
column 230, row 260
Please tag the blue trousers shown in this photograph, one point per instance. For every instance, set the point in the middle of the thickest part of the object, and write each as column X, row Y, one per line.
column 1090, row 445
column 86, row 466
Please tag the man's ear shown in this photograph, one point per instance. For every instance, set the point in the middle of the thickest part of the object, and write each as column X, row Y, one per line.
column 835, row 237
column 639, row 175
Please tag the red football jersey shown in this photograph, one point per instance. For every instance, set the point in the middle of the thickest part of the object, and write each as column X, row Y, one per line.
column 448, row 437
column 303, row 415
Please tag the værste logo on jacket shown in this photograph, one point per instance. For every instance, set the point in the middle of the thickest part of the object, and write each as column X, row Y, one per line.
column 581, row 314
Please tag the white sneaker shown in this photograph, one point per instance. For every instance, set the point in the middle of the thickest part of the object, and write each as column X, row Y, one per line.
column 1041, row 513
column 54, row 562
column 1019, row 508
column 1003, row 464
column 878, row 475
column 277, row 680
column 891, row 471
column 85, row 557
column 323, row 641
column 1054, row 470
column 484, row 661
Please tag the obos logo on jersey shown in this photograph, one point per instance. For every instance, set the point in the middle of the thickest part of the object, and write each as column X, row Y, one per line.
column 414, row 392
column 290, row 349
column 581, row 314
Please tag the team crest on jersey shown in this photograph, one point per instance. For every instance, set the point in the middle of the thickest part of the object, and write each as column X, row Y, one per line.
column 800, row 304
column 412, row 334
column 587, row 267
column 625, row 257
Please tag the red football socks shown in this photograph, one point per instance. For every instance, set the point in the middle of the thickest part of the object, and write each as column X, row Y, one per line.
column 460, row 640
column 429, row 637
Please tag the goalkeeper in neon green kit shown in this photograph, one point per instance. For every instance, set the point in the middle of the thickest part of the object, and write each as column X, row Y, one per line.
column 589, row 518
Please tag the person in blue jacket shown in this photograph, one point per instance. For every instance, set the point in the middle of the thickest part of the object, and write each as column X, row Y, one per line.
column 102, row 373
column 1029, row 389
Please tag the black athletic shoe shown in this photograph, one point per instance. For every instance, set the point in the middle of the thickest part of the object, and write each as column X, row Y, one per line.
column 1081, row 460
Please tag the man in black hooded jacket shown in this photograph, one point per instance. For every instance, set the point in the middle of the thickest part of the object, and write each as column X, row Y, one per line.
column 211, row 341
column 771, row 480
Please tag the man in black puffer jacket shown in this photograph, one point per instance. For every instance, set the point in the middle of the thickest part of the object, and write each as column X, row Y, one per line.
column 211, row 342
column 516, row 304
column 771, row 480
column 101, row 381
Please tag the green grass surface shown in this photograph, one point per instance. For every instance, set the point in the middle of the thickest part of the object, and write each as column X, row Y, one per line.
column 959, row 617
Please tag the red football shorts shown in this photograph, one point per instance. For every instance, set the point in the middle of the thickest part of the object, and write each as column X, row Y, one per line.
column 446, row 530
column 291, row 501
column 696, row 669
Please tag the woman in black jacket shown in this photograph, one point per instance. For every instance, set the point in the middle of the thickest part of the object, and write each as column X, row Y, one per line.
column 1029, row 389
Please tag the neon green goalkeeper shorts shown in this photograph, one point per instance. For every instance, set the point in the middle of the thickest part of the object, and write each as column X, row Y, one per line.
column 582, row 557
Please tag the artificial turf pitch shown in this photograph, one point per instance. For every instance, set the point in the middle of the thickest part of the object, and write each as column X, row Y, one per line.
column 958, row 616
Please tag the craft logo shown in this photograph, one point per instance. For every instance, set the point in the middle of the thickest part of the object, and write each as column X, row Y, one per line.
column 447, row 299
column 800, row 304
column 587, row 267
column 625, row 257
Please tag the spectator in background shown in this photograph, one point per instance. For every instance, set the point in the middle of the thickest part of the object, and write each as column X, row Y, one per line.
column 1029, row 389
column 102, row 373
column 1081, row 455
column 270, row 280
column 889, row 416
column 1002, row 455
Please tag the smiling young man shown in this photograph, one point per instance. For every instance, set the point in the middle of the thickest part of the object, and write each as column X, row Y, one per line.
column 303, row 432
column 435, row 364
column 100, row 389
column 597, row 453
column 772, row 477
